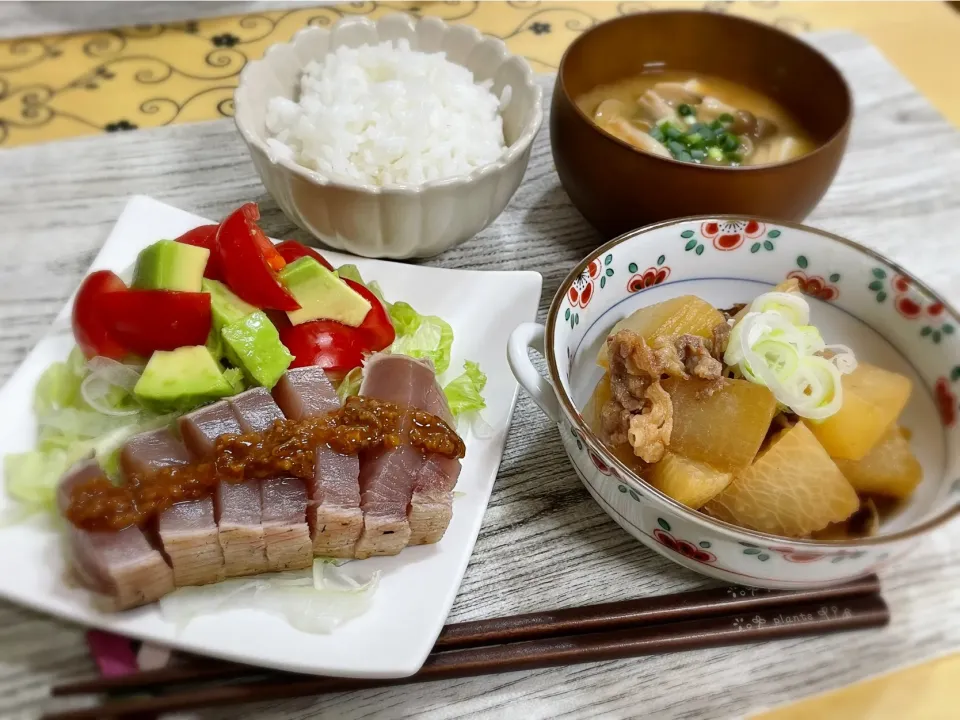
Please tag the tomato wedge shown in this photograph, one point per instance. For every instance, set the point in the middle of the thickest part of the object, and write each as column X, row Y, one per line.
column 205, row 236
column 245, row 268
column 91, row 329
column 335, row 347
column 148, row 320
column 376, row 328
column 274, row 259
column 292, row 250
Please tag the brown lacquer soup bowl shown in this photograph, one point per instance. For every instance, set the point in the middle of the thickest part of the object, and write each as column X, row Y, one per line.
column 618, row 187
column 858, row 298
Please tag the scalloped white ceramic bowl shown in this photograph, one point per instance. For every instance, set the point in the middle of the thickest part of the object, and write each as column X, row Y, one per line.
column 859, row 298
column 403, row 221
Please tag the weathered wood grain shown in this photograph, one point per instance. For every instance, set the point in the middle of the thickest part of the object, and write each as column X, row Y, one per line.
column 544, row 542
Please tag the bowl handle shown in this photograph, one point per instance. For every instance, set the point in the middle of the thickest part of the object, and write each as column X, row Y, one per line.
column 526, row 336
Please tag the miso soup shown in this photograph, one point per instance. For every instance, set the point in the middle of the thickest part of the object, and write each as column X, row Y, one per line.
column 697, row 118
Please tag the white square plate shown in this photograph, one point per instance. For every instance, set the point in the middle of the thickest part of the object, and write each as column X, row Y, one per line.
column 417, row 587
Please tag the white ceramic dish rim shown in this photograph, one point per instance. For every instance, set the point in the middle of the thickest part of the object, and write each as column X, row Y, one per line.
column 511, row 154
column 630, row 478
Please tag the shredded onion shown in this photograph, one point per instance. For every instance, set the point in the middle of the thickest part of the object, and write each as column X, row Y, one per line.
column 473, row 422
column 105, row 376
column 313, row 601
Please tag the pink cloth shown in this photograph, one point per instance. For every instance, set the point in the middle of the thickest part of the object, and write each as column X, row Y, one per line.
column 113, row 654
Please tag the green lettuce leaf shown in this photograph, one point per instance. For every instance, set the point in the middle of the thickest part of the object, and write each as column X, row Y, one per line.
column 464, row 391
column 70, row 429
column 234, row 377
column 32, row 477
column 350, row 385
column 421, row 336
column 59, row 386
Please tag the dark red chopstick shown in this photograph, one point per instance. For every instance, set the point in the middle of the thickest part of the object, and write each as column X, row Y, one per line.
column 830, row 616
column 515, row 628
column 641, row 611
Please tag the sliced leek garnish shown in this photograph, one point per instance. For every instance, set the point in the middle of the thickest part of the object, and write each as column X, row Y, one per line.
column 774, row 345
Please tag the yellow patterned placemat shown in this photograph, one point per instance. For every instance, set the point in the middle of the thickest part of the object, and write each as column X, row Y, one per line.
column 63, row 86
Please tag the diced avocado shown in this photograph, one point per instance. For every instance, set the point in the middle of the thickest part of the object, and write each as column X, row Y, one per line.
column 253, row 345
column 169, row 265
column 226, row 307
column 181, row 379
column 322, row 295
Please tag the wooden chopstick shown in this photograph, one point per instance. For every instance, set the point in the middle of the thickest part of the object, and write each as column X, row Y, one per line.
column 516, row 628
column 823, row 617
column 649, row 610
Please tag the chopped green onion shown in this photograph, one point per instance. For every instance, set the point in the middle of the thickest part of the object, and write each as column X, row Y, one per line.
column 684, row 156
column 735, row 158
column 715, row 153
column 693, row 140
column 657, row 134
column 726, row 119
column 705, row 131
column 675, row 147
column 729, row 142
column 672, row 133
column 716, row 125
column 684, row 110
column 698, row 154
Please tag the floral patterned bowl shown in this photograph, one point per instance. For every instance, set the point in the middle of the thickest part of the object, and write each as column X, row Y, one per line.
column 858, row 298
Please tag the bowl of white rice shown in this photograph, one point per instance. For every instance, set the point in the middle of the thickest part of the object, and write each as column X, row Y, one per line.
column 395, row 138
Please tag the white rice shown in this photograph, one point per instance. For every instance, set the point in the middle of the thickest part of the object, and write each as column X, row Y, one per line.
column 387, row 115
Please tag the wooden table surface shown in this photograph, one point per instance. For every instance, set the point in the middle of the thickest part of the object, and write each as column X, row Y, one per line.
column 544, row 542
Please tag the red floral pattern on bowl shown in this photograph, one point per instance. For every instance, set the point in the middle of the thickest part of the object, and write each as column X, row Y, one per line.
column 685, row 548
column 582, row 289
column 648, row 278
column 815, row 286
column 598, row 463
column 908, row 307
column 900, row 284
column 731, row 234
column 946, row 402
column 797, row 556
